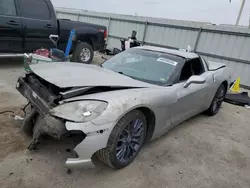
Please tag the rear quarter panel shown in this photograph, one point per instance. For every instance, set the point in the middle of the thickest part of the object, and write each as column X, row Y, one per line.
column 84, row 32
column 218, row 77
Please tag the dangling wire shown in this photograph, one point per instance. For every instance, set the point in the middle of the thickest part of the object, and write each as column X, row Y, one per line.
column 12, row 113
column 24, row 108
column 7, row 111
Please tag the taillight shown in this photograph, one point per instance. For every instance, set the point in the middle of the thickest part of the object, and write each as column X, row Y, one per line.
column 105, row 34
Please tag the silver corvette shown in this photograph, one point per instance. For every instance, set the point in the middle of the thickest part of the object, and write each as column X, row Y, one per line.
column 116, row 108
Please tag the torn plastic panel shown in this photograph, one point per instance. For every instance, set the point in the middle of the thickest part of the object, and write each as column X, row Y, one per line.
column 90, row 137
column 95, row 140
column 49, row 126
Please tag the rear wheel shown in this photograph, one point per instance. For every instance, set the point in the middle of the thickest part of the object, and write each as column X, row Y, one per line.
column 83, row 53
column 125, row 141
column 217, row 101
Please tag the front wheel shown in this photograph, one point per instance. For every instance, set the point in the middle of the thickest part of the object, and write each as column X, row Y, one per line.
column 217, row 101
column 83, row 53
column 125, row 141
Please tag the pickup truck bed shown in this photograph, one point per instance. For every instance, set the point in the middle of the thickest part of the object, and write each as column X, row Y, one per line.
column 90, row 33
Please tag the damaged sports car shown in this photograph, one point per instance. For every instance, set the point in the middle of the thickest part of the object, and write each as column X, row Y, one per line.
column 116, row 108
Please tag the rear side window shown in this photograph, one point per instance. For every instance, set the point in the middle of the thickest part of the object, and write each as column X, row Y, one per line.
column 7, row 7
column 37, row 9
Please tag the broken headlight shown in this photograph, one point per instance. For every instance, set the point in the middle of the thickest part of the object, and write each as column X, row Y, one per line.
column 80, row 111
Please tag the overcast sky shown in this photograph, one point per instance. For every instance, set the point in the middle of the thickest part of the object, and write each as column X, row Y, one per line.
column 215, row 11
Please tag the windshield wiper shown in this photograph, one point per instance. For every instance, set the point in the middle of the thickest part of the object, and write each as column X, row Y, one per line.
column 99, row 65
column 168, row 85
column 126, row 75
column 147, row 81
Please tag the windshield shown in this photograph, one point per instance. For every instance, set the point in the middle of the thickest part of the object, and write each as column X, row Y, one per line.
column 144, row 65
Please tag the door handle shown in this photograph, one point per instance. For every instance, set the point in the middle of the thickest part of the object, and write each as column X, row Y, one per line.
column 12, row 22
column 48, row 26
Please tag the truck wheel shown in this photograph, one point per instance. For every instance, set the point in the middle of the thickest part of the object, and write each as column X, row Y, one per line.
column 83, row 53
column 125, row 141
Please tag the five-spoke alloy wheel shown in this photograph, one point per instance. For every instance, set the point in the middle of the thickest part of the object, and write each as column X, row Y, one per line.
column 125, row 141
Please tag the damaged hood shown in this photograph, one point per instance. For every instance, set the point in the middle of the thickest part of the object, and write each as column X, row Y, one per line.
column 68, row 74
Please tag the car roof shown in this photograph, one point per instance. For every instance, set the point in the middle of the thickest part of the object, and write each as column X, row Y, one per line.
column 187, row 55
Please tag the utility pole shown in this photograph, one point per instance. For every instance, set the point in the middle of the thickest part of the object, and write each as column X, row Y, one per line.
column 249, row 22
column 240, row 12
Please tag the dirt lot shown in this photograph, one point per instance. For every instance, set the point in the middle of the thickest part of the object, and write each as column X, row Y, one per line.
column 202, row 152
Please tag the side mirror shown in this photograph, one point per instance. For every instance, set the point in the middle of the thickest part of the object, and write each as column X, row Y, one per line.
column 54, row 39
column 194, row 80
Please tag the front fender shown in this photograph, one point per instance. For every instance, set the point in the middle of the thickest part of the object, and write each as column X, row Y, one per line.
column 118, row 108
column 120, row 102
column 156, row 100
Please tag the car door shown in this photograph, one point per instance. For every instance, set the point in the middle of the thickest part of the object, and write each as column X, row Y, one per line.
column 190, row 100
column 39, row 22
column 10, row 27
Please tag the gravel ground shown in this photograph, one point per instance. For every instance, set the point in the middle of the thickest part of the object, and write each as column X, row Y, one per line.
column 202, row 152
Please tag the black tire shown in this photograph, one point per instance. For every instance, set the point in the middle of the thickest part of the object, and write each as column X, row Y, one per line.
column 77, row 54
column 217, row 101
column 109, row 154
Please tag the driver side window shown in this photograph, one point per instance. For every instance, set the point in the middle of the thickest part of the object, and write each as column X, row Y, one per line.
column 191, row 67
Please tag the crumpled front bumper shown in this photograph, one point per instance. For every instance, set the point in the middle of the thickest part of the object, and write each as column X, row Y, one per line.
column 96, row 139
column 92, row 138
